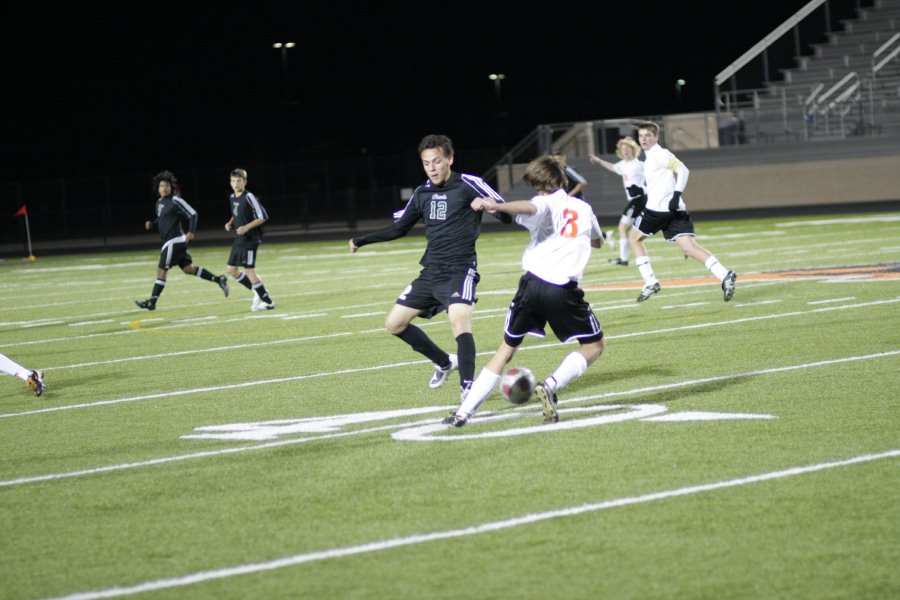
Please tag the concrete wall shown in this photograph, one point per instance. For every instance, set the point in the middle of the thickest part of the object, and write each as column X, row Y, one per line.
column 750, row 177
column 794, row 183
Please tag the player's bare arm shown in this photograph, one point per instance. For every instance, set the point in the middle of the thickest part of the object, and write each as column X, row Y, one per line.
column 603, row 163
column 516, row 207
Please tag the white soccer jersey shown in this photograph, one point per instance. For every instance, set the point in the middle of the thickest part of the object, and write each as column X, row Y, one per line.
column 561, row 233
column 665, row 174
column 632, row 172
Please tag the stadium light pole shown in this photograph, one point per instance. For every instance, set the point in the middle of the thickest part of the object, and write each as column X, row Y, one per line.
column 284, row 47
column 497, row 78
column 679, row 83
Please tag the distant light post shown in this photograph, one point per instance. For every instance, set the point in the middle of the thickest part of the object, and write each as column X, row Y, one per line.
column 679, row 83
column 284, row 46
column 497, row 78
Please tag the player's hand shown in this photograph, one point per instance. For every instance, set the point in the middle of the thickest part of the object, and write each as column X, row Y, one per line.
column 477, row 204
column 353, row 247
column 241, row 230
column 148, row 225
column 673, row 203
column 488, row 205
column 189, row 236
column 228, row 226
column 595, row 159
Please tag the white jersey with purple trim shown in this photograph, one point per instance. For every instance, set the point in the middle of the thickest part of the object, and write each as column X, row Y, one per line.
column 561, row 233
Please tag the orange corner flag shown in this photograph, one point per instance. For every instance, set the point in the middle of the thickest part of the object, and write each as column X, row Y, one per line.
column 21, row 212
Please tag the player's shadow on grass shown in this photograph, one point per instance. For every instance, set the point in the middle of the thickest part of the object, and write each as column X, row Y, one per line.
column 666, row 396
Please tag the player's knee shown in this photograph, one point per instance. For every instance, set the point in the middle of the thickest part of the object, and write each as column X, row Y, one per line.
column 233, row 271
column 394, row 326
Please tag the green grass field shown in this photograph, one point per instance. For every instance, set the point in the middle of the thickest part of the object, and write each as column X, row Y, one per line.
column 740, row 450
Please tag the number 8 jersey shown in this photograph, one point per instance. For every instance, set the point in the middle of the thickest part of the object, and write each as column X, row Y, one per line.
column 561, row 233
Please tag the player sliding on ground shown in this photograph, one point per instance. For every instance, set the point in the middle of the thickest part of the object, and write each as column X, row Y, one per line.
column 563, row 231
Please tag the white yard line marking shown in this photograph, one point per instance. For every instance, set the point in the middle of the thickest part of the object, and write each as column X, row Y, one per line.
column 831, row 300
column 90, row 323
column 439, row 409
column 841, row 221
column 479, row 529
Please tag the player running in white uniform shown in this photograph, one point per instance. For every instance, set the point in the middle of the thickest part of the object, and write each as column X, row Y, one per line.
column 632, row 172
column 666, row 211
column 563, row 231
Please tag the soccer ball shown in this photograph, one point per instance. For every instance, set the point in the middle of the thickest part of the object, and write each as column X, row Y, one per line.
column 517, row 385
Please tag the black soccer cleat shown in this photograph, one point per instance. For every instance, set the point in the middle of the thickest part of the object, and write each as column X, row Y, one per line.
column 36, row 382
column 619, row 261
column 548, row 402
column 728, row 285
column 648, row 291
column 455, row 420
column 223, row 283
column 149, row 304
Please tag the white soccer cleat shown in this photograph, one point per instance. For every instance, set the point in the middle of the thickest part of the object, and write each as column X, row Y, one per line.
column 255, row 302
column 440, row 375
column 263, row 306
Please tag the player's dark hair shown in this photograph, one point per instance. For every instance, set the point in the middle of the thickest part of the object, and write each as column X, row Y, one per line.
column 436, row 141
column 164, row 176
column 545, row 175
column 242, row 173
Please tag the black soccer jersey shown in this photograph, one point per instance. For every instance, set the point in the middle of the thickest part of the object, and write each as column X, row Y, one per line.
column 246, row 208
column 170, row 210
column 451, row 226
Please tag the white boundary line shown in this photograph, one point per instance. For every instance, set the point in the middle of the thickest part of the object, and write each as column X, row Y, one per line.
column 627, row 393
column 488, row 527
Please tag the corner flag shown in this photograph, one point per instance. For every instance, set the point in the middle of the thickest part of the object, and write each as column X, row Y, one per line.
column 23, row 212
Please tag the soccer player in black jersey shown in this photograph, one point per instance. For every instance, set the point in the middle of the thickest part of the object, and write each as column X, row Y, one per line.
column 247, row 218
column 448, row 276
column 170, row 210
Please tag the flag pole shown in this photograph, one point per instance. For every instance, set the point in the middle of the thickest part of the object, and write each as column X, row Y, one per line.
column 28, row 235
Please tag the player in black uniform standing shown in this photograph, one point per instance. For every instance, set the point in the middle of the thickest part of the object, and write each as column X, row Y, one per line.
column 247, row 218
column 448, row 276
column 170, row 210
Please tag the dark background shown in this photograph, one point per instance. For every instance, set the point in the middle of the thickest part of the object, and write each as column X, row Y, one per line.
column 111, row 88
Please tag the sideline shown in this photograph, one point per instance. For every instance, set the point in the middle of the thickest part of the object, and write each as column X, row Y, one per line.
column 488, row 527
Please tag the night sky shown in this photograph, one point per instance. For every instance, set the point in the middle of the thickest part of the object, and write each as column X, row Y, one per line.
column 91, row 91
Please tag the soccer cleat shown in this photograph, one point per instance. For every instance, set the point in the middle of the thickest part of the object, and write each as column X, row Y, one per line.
column 440, row 375
column 648, row 291
column 36, row 382
column 223, row 283
column 619, row 261
column 548, row 402
column 149, row 304
column 255, row 302
column 728, row 285
column 455, row 420
column 263, row 306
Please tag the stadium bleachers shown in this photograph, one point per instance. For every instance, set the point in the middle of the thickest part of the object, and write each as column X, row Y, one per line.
column 789, row 109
